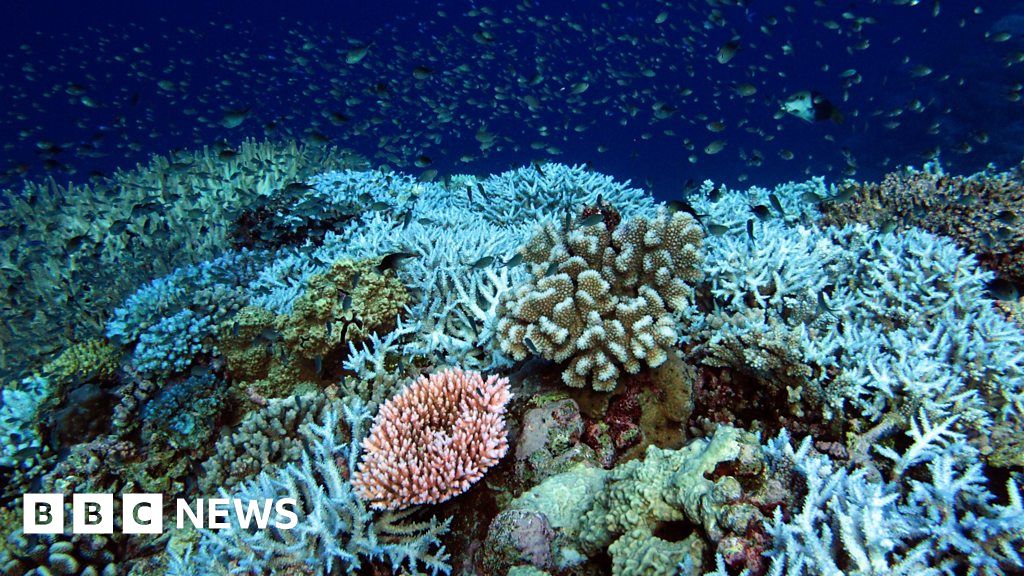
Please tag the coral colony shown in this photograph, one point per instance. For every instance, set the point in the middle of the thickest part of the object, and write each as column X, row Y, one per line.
column 543, row 371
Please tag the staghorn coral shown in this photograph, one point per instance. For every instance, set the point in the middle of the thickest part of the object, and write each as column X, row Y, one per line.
column 603, row 301
column 433, row 440
column 336, row 533
column 932, row 513
column 982, row 213
column 76, row 251
column 269, row 438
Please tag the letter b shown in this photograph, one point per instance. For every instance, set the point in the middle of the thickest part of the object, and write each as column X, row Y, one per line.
column 43, row 514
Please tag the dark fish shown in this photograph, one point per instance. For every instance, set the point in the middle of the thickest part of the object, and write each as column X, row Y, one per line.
column 776, row 204
column 999, row 289
column 889, row 225
column 530, row 346
column 355, row 280
column 469, row 193
column 422, row 161
column 406, row 219
column 682, row 206
column 483, row 193
column 297, row 187
column 26, row 453
column 482, row 263
column 600, row 201
column 717, row 229
column 379, row 206
column 750, row 229
column 540, row 171
column 761, row 211
column 346, row 303
column 552, row 268
column 822, row 304
column 515, row 260
column 318, row 364
column 391, row 261
column 592, row 219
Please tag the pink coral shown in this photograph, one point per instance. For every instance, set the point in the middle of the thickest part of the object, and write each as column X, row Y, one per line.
column 433, row 440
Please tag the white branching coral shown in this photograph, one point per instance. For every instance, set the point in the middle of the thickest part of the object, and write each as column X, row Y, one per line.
column 603, row 298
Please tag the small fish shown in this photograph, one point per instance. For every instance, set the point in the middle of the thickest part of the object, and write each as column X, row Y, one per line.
column 406, row 219
column 776, row 204
column 355, row 280
column 540, row 171
column 482, row 262
column 999, row 289
column 750, row 229
column 592, row 220
column 318, row 365
column 888, row 226
column 379, row 206
column 552, row 268
column 531, row 346
column 391, row 261
column 728, row 51
column 810, row 198
column 717, row 229
column 682, row 206
column 346, row 304
column 761, row 211
column 515, row 260
column 26, row 453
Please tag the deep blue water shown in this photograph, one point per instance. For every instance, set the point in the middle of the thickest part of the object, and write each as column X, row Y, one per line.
column 926, row 84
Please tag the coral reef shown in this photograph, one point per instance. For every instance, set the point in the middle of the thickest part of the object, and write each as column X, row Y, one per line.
column 603, row 301
column 75, row 251
column 628, row 510
column 934, row 512
column 982, row 212
column 269, row 438
column 338, row 534
column 834, row 319
column 433, row 440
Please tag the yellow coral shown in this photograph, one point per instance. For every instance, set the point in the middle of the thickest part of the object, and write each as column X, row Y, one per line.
column 347, row 303
column 92, row 359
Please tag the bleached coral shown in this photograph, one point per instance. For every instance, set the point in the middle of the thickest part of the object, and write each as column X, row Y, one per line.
column 935, row 514
column 603, row 300
column 19, row 422
column 851, row 317
column 336, row 532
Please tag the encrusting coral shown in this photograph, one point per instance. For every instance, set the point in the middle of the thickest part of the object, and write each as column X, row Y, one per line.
column 603, row 298
column 982, row 213
column 434, row 440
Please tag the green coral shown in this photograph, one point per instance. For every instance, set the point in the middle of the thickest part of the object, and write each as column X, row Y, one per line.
column 603, row 298
column 345, row 304
column 622, row 510
column 91, row 359
column 280, row 355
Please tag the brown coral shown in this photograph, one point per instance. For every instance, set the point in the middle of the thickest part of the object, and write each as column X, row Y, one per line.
column 980, row 212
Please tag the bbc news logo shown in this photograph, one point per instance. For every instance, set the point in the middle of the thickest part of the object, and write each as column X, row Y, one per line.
column 143, row 513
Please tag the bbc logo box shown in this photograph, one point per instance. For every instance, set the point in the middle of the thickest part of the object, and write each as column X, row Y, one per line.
column 92, row 514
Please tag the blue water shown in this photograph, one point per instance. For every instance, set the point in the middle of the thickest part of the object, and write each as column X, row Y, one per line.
column 245, row 55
